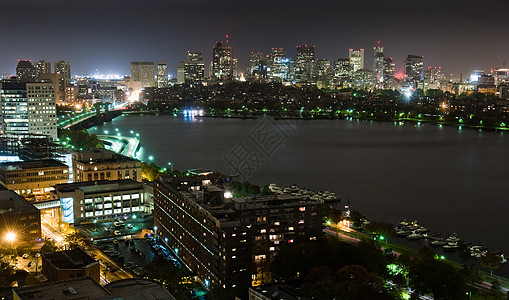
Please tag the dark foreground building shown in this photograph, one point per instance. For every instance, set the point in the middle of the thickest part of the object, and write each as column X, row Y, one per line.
column 227, row 241
column 20, row 220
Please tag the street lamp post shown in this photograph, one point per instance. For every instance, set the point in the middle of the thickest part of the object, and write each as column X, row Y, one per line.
column 171, row 165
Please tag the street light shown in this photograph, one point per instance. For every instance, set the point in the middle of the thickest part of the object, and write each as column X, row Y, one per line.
column 10, row 237
column 171, row 165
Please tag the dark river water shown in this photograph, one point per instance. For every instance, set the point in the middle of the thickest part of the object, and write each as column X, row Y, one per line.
column 451, row 180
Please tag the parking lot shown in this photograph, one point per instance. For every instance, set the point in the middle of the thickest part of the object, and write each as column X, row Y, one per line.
column 134, row 254
column 106, row 230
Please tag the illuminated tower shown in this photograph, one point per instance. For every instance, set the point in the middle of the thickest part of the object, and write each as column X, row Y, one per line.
column 222, row 61
column 356, row 59
column 414, row 66
column 143, row 72
column 303, row 63
column 162, row 75
column 25, row 71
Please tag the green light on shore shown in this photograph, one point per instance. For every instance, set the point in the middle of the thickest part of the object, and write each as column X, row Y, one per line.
column 150, row 157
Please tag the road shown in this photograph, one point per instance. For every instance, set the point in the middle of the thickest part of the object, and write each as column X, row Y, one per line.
column 105, row 276
column 122, row 144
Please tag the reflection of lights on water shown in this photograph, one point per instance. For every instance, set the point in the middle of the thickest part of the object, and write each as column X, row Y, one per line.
column 192, row 112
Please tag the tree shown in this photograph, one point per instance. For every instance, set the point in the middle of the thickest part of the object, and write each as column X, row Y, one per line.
column 77, row 240
column 6, row 272
column 429, row 275
column 49, row 246
column 490, row 261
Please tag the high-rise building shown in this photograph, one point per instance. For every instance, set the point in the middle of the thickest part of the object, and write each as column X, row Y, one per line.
column 414, row 66
column 258, row 65
column 162, row 75
column 222, row 61
column 389, row 74
column 229, row 242
column 28, row 108
column 342, row 72
column 195, row 67
column 25, row 71
column 143, row 72
column 378, row 64
column 356, row 59
column 322, row 73
column 64, row 68
column 42, row 109
column 14, row 108
column 42, row 67
column 302, row 70
column 279, row 65
column 192, row 70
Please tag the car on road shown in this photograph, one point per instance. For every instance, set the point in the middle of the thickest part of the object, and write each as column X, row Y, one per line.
column 117, row 232
column 130, row 226
column 25, row 256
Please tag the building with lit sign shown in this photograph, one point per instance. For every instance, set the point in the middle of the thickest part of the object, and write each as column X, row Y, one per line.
column 86, row 201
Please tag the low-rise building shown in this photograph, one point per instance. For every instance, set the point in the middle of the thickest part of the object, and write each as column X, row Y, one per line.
column 33, row 179
column 87, row 288
column 102, row 164
column 229, row 241
column 85, row 201
column 69, row 264
column 20, row 220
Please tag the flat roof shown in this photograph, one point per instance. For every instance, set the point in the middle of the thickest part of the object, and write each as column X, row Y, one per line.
column 18, row 203
column 31, row 164
column 70, row 259
column 80, row 288
column 102, row 186
column 135, row 288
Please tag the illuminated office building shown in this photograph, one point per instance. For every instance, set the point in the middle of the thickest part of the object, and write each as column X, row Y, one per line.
column 25, row 71
column 162, row 75
column 144, row 73
column 222, row 62
column 356, row 59
column 414, row 66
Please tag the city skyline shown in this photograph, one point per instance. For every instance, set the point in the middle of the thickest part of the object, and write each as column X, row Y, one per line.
column 93, row 38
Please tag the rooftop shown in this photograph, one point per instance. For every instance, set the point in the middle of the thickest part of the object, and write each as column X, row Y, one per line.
column 31, row 164
column 81, row 288
column 102, row 186
column 70, row 259
column 100, row 156
column 278, row 291
column 135, row 288
column 10, row 202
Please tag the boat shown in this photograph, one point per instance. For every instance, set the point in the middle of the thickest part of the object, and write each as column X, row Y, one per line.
column 403, row 232
column 403, row 222
column 415, row 236
column 422, row 229
column 453, row 238
column 451, row 246
column 439, row 242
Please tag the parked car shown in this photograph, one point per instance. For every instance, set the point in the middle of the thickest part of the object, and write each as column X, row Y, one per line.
column 117, row 232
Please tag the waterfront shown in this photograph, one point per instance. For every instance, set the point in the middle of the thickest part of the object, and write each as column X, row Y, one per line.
column 450, row 180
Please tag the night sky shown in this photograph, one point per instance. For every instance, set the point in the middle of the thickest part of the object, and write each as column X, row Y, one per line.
column 105, row 35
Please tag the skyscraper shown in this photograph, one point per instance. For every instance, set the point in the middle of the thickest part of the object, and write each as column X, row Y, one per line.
column 258, row 65
column 143, row 72
column 222, row 61
column 356, row 59
column 342, row 72
column 303, row 63
column 28, row 108
column 279, row 65
column 378, row 64
column 162, row 75
column 64, row 68
column 25, row 71
column 42, row 67
column 193, row 69
column 414, row 66
column 14, row 108
column 42, row 109
column 389, row 74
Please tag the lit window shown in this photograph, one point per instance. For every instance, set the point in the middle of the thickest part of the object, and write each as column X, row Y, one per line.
column 276, row 223
column 272, row 248
column 301, row 222
column 290, row 228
